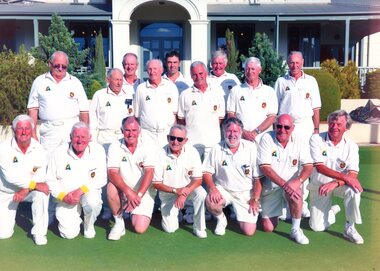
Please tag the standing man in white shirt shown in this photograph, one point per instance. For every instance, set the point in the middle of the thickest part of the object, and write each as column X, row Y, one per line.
column 156, row 104
column 173, row 62
column 130, row 80
column 22, row 178
column 336, row 160
column 254, row 103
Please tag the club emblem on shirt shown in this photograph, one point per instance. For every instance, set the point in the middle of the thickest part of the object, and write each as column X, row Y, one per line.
column 193, row 103
column 108, row 103
column 71, row 94
column 324, row 153
column 92, row 174
column 246, row 169
column 224, row 163
column 169, row 100
column 168, row 167
column 342, row 165
column 35, row 169
column 263, row 105
column 147, row 98
column 215, row 107
column 47, row 88
column 190, row 173
column 68, row 167
column 124, row 159
column 242, row 98
column 15, row 160
column 294, row 162
column 129, row 110
column 287, row 88
column 307, row 95
column 141, row 164
column 274, row 154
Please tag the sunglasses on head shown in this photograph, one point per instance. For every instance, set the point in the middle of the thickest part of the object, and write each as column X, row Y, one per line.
column 286, row 127
column 57, row 66
column 172, row 138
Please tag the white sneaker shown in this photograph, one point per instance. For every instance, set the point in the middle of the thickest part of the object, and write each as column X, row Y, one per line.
column 90, row 232
column 351, row 234
column 299, row 237
column 200, row 233
column 40, row 240
column 117, row 231
column 335, row 209
column 221, row 225
column 305, row 212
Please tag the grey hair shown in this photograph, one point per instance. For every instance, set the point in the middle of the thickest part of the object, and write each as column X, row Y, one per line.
column 179, row 127
column 130, row 54
column 80, row 125
column 129, row 119
column 295, row 53
column 196, row 64
column 153, row 60
column 22, row 117
column 339, row 113
column 232, row 120
column 252, row 59
column 111, row 71
column 57, row 53
column 219, row 53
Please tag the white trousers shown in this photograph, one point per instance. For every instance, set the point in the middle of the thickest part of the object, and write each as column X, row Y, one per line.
column 321, row 215
column 170, row 213
column 8, row 209
column 69, row 218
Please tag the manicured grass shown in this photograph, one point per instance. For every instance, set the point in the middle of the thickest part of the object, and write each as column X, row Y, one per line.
column 157, row 250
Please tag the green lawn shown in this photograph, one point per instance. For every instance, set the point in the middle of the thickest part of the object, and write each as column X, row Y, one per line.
column 157, row 250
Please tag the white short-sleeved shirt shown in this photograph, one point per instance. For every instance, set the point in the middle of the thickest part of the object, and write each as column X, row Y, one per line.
column 18, row 169
column 252, row 106
column 107, row 109
column 234, row 172
column 227, row 81
column 178, row 171
column 131, row 165
column 299, row 97
column 156, row 107
column 67, row 172
column 202, row 112
column 182, row 83
column 286, row 162
column 343, row 157
column 57, row 101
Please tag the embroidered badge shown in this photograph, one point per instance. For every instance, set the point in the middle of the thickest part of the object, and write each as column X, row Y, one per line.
column 15, row 159
column 263, row 105
column 294, row 162
column 190, row 173
column 47, row 88
column 242, row 98
column 274, row 154
column 324, row 153
column 147, row 98
column 342, row 165
column 307, row 95
column 34, row 169
column 287, row 88
column 71, row 94
column 124, row 159
column 224, row 163
column 169, row 100
column 246, row 169
column 141, row 164
column 129, row 110
column 92, row 174
column 193, row 103
column 108, row 104
column 215, row 107
column 168, row 167
column 68, row 167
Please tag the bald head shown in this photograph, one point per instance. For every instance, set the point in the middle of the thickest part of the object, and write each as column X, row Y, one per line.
column 284, row 128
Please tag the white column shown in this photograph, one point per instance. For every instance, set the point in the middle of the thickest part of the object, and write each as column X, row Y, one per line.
column 121, row 40
column 199, row 41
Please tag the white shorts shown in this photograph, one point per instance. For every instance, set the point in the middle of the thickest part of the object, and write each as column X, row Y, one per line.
column 147, row 203
column 272, row 202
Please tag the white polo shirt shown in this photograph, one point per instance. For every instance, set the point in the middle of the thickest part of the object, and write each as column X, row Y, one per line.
column 182, row 83
column 343, row 157
column 234, row 172
column 57, row 101
column 227, row 81
column 18, row 169
column 299, row 97
column 107, row 109
column 286, row 162
column 156, row 107
column 202, row 112
column 131, row 165
column 252, row 106
column 67, row 172
column 178, row 171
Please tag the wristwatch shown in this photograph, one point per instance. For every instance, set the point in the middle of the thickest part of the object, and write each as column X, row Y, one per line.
column 140, row 194
column 257, row 130
column 174, row 191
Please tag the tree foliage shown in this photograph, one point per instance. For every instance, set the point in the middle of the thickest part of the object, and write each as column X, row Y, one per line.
column 99, row 62
column 347, row 77
column 372, row 85
column 18, row 71
column 232, row 54
column 59, row 39
column 273, row 66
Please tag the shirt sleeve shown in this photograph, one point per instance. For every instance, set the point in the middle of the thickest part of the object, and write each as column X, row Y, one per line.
column 264, row 156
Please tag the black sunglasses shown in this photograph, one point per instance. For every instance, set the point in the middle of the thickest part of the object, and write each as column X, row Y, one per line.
column 57, row 66
column 286, row 127
column 172, row 138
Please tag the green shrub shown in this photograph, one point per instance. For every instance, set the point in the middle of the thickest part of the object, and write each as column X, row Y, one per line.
column 18, row 71
column 329, row 90
column 95, row 86
column 347, row 77
column 372, row 85
column 232, row 53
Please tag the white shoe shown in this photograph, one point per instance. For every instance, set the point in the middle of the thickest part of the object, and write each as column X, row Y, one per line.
column 305, row 212
column 90, row 232
column 40, row 240
column 335, row 209
column 299, row 237
column 200, row 233
column 352, row 235
column 117, row 231
column 221, row 225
